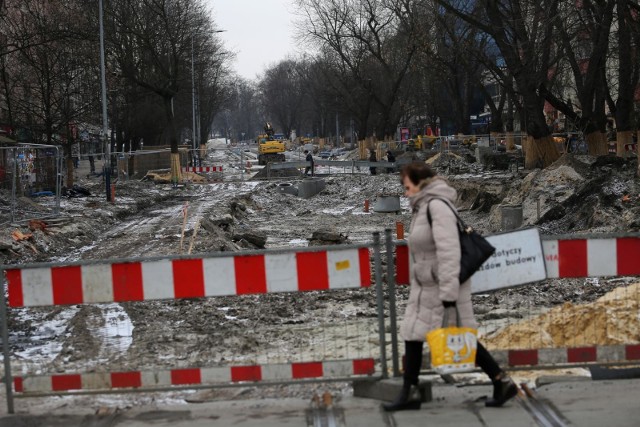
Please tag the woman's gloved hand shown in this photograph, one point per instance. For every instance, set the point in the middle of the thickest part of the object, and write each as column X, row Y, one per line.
column 448, row 304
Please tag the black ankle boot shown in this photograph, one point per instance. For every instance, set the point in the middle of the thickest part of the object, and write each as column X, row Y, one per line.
column 503, row 390
column 409, row 398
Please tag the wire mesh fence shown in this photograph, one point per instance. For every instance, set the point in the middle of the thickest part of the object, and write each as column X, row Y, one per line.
column 30, row 182
column 263, row 336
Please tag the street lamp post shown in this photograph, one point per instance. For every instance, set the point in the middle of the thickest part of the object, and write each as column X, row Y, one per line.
column 105, row 124
column 195, row 130
column 193, row 102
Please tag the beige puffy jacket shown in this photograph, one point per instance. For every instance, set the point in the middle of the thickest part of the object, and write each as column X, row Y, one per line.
column 435, row 264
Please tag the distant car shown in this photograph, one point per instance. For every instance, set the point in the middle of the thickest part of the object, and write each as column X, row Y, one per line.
column 325, row 154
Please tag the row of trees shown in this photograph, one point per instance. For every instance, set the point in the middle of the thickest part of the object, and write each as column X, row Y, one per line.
column 385, row 63
column 373, row 65
column 155, row 51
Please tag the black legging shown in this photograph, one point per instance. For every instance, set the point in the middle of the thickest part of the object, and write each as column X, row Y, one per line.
column 413, row 361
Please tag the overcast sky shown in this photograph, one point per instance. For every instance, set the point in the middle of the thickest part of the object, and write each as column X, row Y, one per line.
column 260, row 32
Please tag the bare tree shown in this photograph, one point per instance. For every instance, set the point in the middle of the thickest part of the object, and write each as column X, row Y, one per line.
column 376, row 41
column 50, row 80
column 457, row 55
column 283, row 94
column 627, row 55
column 583, row 31
column 523, row 32
column 150, row 41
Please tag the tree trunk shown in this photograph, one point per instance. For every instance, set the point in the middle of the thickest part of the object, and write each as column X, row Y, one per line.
column 596, row 145
column 511, row 142
column 623, row 138
column 638, row 151
column 176, row 169
column 527, row 145
column 69, row 171
column 541, row 152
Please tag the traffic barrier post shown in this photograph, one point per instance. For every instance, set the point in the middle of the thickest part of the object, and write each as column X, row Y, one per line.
column 391, row 285
column 380, row 303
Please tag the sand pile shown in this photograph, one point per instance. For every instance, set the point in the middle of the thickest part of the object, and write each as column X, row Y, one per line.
column 164, row 177
column 612, row 319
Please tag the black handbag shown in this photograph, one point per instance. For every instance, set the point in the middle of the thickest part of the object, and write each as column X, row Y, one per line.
column 474, row 249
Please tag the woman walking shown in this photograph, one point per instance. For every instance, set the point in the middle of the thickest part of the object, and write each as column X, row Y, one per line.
column 435, row 287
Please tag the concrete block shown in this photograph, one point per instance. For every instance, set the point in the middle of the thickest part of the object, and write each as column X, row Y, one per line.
column 482, row 153
column 387, row 390
column 511, row 217
column 309, row 187
column 288, row 188
column 387, row 204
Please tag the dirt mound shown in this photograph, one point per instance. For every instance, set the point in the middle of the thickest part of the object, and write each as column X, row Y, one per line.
column 572, row 162
column 610, row 320
column 164, row 177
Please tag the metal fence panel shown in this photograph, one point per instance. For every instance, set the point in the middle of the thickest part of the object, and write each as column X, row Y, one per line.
column 33, row 172
column 280, row 348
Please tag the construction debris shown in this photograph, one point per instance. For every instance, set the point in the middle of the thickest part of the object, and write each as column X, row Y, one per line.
column 19, row 235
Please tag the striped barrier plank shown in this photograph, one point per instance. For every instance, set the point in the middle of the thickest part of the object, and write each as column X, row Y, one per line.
column 188, row 277
column 568, row 355
column 194, row 376
column 564, row 258
column 202, row 169
column 592, row 257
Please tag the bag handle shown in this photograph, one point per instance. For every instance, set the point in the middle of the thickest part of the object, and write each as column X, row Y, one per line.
column 445, row 317
column 462, row 226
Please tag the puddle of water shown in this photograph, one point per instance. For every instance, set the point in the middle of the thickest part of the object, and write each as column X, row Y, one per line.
column 116, row 334
column 46, row 342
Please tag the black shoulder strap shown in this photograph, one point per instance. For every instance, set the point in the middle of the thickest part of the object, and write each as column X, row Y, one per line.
column 446, row 202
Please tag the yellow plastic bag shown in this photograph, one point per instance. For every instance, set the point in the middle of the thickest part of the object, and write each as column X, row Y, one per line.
column 453, row 349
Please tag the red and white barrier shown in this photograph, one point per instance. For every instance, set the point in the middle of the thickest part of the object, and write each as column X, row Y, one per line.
column 203, row 169
column 194, row 376
column 563, row 258
column 592, row 257
column 561, row 356
column 189, row 278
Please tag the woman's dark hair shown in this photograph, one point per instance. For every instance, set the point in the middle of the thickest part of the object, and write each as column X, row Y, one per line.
column 416, row 172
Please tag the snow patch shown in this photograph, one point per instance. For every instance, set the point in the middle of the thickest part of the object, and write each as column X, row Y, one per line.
column 44, row 346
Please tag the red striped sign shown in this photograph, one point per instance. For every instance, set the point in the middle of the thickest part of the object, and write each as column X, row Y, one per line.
column 590, row 257
column 203, row 169
column 569, row 355
column 194, row 376
column 189, row 278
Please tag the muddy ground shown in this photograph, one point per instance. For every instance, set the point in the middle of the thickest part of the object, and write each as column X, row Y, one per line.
column 575, row 195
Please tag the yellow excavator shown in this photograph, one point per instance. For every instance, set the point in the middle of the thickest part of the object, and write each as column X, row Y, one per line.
column 269, row 148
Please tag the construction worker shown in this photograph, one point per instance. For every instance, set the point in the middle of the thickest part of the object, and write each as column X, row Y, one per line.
column 308, row 158
column 390, row 158
column 372, row 158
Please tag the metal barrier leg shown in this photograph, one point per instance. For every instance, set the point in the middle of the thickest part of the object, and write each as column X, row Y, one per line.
column 8, row 379
column 13, row 186
column 391, row 287
column 380, row 301
column 58, row 183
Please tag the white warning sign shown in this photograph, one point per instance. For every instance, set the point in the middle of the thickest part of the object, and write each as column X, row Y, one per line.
column 518, row 260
